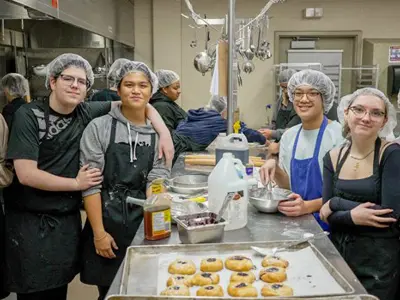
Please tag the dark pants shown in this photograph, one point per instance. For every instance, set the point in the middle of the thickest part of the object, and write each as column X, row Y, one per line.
column 59, row 293
column 102, row 291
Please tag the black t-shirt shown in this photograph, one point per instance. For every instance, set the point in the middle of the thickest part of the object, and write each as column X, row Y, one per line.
column 29, row 127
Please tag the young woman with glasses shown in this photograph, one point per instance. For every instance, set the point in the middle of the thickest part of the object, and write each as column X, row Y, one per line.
column 362, row 192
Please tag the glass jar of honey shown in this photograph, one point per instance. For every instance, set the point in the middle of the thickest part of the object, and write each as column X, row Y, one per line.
column 157, row 212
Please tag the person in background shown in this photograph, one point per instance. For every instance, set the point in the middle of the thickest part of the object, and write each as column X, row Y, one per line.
column 283, row 109
column 5, row 179
column 110, row 94
column 43, row 222
column 164, row 100
column 15, row 88
column 123, row 144
column 303, row 146
column 361, row 192
column 204, row 124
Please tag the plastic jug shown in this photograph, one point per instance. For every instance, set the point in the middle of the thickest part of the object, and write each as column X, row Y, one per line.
column 229, row 175
column 236, row 144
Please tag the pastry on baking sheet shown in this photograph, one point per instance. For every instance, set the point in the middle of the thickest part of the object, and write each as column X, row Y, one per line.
column 205, row 278
column 242, row 289
column 176, row 290
column 210, row 291
column 274, row 261
column 247, row 277
column 179, row 279
column 211, row 264
column 276, row 289
column 273, row 274
column 239, row 263
column 182, row 266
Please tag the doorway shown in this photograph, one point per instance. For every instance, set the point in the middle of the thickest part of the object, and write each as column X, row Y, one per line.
column 349, row 42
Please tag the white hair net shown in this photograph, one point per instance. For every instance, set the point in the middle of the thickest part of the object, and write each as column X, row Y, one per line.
column 16, row 85
column 66, row 60
column 317, row 80
column 112, row 73
column 166, row 78
column 285, row 75
column 137, row 66
column 217, row 103
column 346, row 101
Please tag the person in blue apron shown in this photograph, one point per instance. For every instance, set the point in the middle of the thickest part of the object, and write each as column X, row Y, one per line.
column 42, row 215
column 303, row 146
column 110, row 94
column 123, row 145
column 361, row 192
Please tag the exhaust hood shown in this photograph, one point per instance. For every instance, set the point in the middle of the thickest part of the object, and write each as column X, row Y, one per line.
column 112, row 19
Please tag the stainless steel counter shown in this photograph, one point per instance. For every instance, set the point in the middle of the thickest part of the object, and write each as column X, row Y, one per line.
column 261, row 227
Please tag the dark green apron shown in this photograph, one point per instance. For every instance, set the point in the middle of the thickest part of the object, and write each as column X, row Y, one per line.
column 283, row 116
column 371, row 254
column 121, row 220
column 43, row 228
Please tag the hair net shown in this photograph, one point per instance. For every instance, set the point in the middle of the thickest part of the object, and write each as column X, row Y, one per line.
column 285, row 75
column 112, row 73
column 347, row 100
column 317, row 80
column 166, row 78
column 16, row 85
column 66, row 60
column 137, row 66
column 217, row 103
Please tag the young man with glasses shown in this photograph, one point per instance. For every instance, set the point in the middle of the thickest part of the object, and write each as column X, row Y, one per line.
column 43, row 222
column 303, row 146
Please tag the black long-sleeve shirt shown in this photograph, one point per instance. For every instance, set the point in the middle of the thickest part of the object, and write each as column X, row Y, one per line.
column 390, row 187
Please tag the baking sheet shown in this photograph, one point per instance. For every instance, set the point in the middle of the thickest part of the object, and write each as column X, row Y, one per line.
column 347, row 297
column 309, row 274
column 306, row 274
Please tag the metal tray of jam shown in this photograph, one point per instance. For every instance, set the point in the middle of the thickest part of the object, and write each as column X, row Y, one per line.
column 310, row 274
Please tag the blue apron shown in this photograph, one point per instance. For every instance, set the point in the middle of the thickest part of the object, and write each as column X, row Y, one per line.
column 305, row 174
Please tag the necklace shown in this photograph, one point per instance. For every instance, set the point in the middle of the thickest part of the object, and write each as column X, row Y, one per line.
column 357, row 165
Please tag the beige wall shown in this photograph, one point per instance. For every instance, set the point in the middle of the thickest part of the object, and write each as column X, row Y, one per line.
column 172, row 36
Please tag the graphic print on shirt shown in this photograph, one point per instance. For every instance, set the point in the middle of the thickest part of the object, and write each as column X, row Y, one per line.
column 56, row 124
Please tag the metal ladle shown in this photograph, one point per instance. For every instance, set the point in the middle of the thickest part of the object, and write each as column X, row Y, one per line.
column 249, row 53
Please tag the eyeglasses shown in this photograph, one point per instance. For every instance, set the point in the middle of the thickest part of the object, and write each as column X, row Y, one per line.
column 360, row 113
column 310, row 95
column 70, row 80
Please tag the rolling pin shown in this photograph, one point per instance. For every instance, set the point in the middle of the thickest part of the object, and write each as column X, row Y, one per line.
column 211, row 161
column 210, row 156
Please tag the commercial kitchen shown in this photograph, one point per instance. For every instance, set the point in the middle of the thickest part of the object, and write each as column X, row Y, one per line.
column 195, row 149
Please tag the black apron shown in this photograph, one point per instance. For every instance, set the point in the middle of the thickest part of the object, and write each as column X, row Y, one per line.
column 43, row 228
column 371, row 253
column 121, row 220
